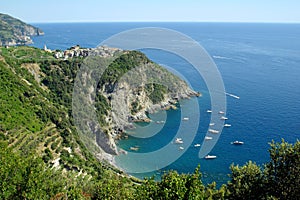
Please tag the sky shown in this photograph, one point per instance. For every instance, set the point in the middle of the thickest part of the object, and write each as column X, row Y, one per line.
column 45, row 11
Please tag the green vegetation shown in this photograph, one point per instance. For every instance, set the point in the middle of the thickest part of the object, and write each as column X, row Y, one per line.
column 37, row 133
column 156, row 92
column 120, row 66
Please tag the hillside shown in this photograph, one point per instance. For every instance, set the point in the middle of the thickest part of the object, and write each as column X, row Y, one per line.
column 15, row 32
column 36, row 103
column 42, row 155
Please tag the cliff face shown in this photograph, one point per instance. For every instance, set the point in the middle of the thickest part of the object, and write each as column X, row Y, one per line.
column 15, row 32
column 133, row 86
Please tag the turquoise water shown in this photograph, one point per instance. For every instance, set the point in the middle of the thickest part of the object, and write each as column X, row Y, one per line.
column 260, row 63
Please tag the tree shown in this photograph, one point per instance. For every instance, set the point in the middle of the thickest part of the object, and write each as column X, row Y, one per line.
column 283, row 170
column 246, row 182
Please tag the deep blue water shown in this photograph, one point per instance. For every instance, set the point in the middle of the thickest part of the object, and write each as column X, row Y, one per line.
column 258, row 62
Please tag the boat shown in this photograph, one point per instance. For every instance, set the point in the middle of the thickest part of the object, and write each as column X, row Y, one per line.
column 134, row 148
column 185, row 119
column 227, row 125
column 221, row 112
column 208, row 138
column 223, row 118
column 178, row 141
column 181, row 148
column 210, row 157
column 213, row 131
column 197, row 145
column 238, row 142
column 209, row 111
column 211, row 124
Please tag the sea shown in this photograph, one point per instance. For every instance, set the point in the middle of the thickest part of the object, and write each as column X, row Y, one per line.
column 260, row 67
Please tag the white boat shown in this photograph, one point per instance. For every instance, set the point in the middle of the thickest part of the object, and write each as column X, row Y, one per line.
column 181, row 148
column 223, row 118
column 213, row 131
column 221, row 112
column 178, row 141
column 134, row 148
column 227, row 125
column 210, row 157
column 238, row 142
column 185, row 119
column 211, row 124
column 209, row 111
column 197, row 145
column 208, row 138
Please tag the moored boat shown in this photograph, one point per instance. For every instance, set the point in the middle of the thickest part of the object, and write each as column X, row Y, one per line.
column 213, row 131
column 178, row 141
column 224, row 118
column 210, row 157
column 208, row 138
column 238, row 142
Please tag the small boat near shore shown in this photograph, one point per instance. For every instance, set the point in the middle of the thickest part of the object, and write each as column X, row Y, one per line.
column 197, row 145
column 134, row 148
column 210, row 157
column 221, row 112
column 211, row 124
column 181, row 148
column 185, row 119
column 238, row 142
column 209, row 111
column 227, row 125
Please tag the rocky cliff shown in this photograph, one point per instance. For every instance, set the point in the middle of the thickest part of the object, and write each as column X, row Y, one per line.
column 129, row 88
column 15, row 32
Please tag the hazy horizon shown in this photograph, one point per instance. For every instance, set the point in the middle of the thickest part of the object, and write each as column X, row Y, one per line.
column 231, row 11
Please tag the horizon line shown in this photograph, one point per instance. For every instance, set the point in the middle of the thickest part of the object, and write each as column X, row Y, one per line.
column 246, row 22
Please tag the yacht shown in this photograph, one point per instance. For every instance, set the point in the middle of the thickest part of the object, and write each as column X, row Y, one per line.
column 185, row 119
column 209, row 111
column 227, row 125
column 223, row 118
column 211, row 124
column 208, row 138
column 181, row 148
column 197, row 145
column 213, row 131
column 221, row 112
column 178, row 141
column 238, row 142
column 210, row 157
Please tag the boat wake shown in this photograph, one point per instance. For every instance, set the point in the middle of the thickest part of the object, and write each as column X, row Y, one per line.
column 232, row 95
column 221, row 57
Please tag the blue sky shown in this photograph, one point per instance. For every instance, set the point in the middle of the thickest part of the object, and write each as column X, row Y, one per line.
column 153, row 10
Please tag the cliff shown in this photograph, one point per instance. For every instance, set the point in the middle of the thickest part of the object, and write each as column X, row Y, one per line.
column 129, row 88
column 15, row 32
